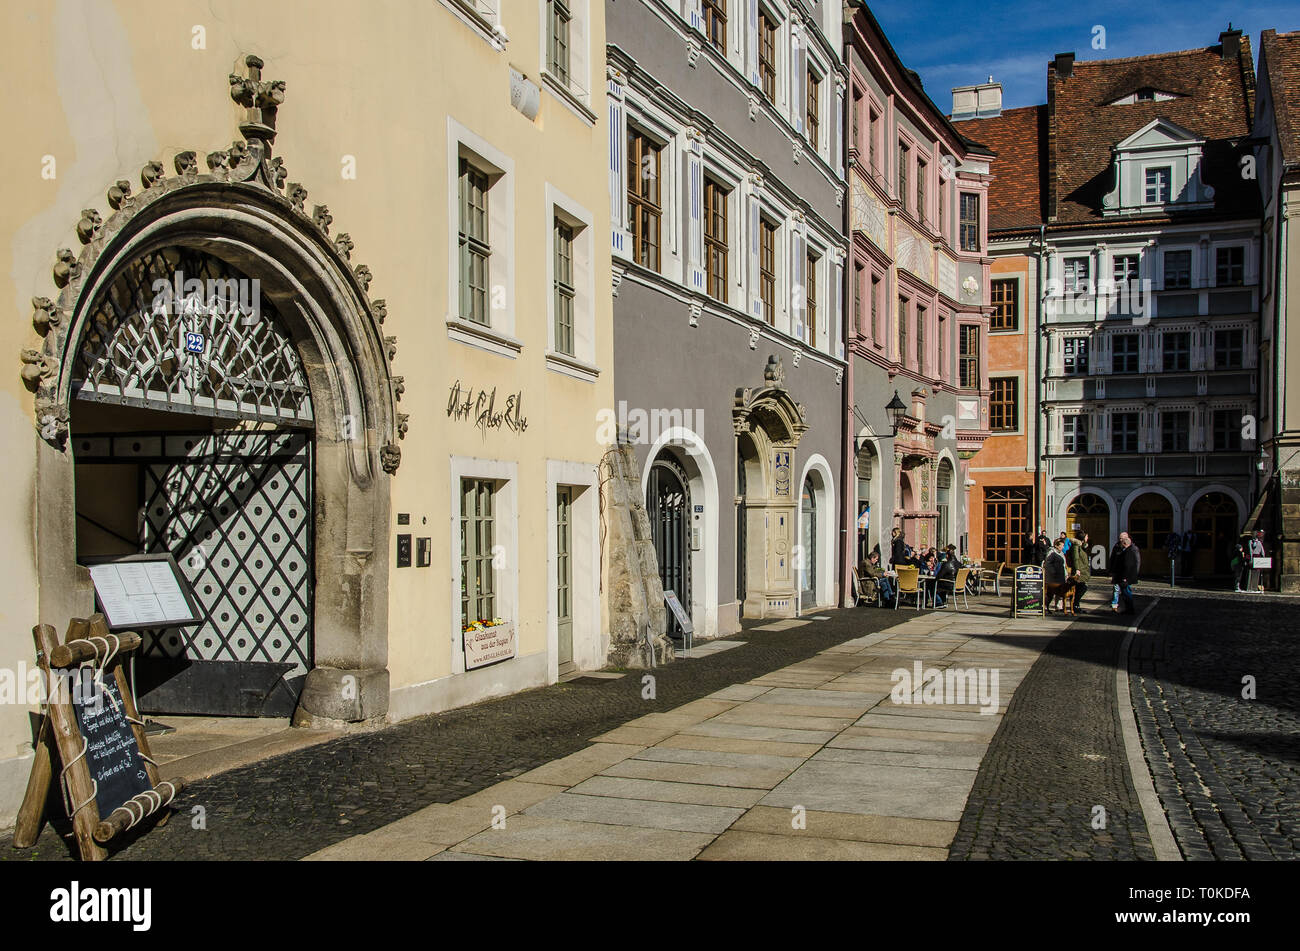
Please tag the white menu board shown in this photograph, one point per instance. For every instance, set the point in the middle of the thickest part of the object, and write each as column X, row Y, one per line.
column 143, row 591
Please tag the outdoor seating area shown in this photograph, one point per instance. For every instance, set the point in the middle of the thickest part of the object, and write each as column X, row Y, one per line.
column 909, row 585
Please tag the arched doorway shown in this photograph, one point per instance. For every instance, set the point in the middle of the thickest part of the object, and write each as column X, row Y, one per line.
column 807, row 564
column 1089, row 513
column 1214, row 521
column 668, row 502
column 1150, row 520
column 191, row 426
column 338, row 434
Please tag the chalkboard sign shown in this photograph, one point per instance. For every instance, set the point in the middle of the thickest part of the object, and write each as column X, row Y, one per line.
column 111, row 749
column 1027, row 592
column 91, row 741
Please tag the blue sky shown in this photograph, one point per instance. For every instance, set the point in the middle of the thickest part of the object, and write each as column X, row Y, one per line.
column 958, row 42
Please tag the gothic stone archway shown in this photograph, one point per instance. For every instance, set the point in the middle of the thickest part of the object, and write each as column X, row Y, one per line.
column 241, row 214
column 774, row 422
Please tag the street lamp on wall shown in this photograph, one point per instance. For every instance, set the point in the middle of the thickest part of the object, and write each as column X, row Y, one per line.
column 895, row 408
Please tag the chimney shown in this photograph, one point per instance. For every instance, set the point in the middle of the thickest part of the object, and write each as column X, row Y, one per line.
column 1230, row 40
column 1064, row 63
column 982, row 101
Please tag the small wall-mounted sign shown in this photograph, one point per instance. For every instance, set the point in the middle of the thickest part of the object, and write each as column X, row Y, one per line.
column 194, row 342
column 403, row 551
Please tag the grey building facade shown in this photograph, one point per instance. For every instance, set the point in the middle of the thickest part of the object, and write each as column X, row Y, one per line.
column 726, row 194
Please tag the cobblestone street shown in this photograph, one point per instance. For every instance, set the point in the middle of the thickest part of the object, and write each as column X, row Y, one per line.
column 785, row 743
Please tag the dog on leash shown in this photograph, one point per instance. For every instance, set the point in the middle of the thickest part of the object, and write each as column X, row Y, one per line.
column 1066, row 592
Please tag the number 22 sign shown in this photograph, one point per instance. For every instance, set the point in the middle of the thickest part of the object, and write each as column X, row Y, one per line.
column 194, row 342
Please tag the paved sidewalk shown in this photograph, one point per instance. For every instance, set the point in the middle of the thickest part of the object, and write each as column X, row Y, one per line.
column 810, row 761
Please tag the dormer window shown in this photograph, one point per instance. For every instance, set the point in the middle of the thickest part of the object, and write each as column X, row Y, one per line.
column 1144, row 94
column 1157, row 168
column 1159, row 182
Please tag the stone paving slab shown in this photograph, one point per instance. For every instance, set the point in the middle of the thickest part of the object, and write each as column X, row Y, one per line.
column 894, row 830
column 914, row 793
column 695, row 773
column 513, row 795
column 937, row 724
column 893, row 758
column 733, row 744
column 792, row 695
column 574, row 768
column 738, row 692
column 741, row 731
column 665, row 754
column 542, row 839
column 675, row 816
column 752, row 714
column 664, row 791
column 755, row 846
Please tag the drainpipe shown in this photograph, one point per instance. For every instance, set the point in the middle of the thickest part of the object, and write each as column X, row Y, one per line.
column 848, row 481
column 1038, row 382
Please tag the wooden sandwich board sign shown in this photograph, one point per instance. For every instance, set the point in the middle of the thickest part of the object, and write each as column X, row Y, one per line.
column 1027, row 592
column 91, row 733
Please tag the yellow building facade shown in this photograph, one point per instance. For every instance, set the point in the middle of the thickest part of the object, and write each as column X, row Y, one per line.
column 312, row 299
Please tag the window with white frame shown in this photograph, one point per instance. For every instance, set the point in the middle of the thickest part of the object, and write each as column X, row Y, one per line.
column 478, row 588
column 1074, row 355
column 810, row 298
column 970, row 221
column 1076, row 271
column 714, row 13
column 562, row 287
column 767, row 54
column 481, row 240
column 767, row 241
column 1124, row 270
column 558, row 19
column 814, row 86
column 1074, row 433
column 1159, row 181
column 715, row 239
column 475, row 244
column 644, row 197
column 572, row 292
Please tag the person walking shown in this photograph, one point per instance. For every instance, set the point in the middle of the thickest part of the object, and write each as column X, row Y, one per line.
column 1257, row 550
column 1124, row 570
column 1081, row 565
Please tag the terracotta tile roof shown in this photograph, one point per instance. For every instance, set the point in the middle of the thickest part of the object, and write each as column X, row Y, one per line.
column 1281, row 55
column 1019, row 139
column 1215, row 100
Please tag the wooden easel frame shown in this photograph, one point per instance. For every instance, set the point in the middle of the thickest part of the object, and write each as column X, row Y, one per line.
column 59, row 739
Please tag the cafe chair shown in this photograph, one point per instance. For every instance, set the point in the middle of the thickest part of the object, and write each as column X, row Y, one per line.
column 955, row 585
column 909, row 583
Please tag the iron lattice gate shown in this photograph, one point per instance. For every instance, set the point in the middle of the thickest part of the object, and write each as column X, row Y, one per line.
column 669, row 498
column 235, row 509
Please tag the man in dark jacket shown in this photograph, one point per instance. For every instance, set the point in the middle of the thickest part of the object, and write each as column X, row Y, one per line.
column 1124, row 569
column 946, row 571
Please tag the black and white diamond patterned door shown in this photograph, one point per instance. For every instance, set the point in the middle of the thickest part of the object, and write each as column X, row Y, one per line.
column 235, row 510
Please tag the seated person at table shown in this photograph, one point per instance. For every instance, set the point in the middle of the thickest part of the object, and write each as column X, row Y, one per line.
column 930, row 562
column 874, row 578
column 947, row 572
